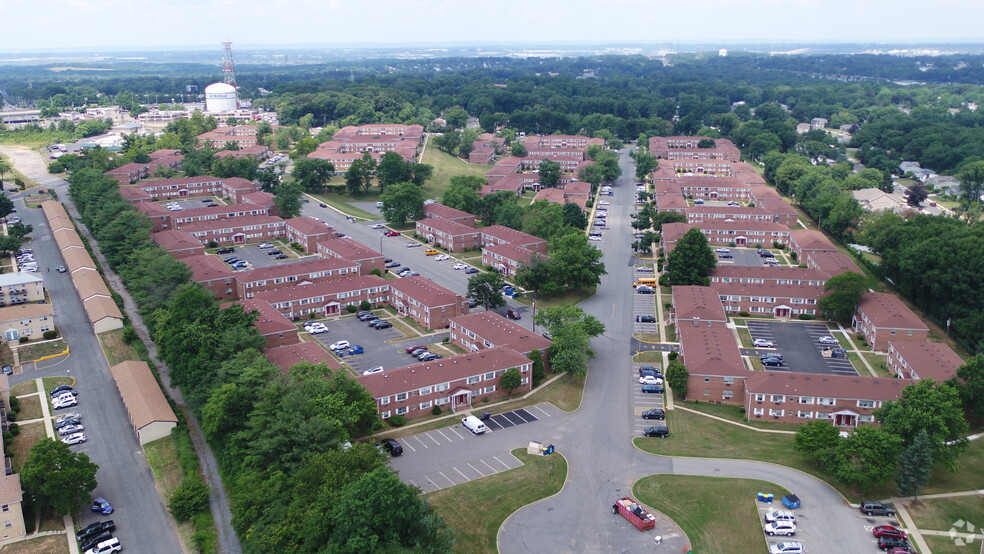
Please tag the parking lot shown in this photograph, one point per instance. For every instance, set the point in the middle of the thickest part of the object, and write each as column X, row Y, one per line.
column 378, row 352
column 741, row 256
column 260, row 257
column 797, row 342
column 642, row 401
column 804, row 533
column 644, row 305
column 452, row 455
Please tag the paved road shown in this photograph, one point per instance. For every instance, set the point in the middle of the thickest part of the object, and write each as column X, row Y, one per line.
column 603, row 464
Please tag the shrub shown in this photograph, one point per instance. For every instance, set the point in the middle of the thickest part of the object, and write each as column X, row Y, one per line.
column 436, row 410
column 129, row 334
column 377, row 273
column 446, row 340
column 351, row 308
column 213, row 244
column 22, row 340
column 48, row 335
column 664, row 280
column 778, row 246
column 731, row 244
column 190, row 498
column 673, row 355
column 806, row 317
column 397, row 421
column 365, row 305
column 793, row 255
column 56, row 167
column 743, row 313
column 14, row 429
column 15, row 403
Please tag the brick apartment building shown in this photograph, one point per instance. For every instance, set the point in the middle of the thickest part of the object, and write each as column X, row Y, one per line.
column 483, row 330
column 508, row 258
column 451, row 214
column 729, row 233
column 802, row 241
column 178, row 244
column 500, row 234
column 717, row 372
column 674, row 148
column 453, row 383
column 426, row 302
column 697, row 307
column 778, row 300
column 326, row 298
column 307, row 231
column 272, row 325
column 287, row 356
column 352, row 250
column 450, row 235
column 313, row 270
column 237, row 230
column 923, row 360
column 737, row 213
column 882, row 317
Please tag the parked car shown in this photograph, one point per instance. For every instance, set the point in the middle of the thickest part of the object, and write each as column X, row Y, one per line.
column 340, row 345
column 65, row 417
column 280, row 257
column 70, row 429
column 225, row 250
column 785, row 528
column 471, row 301
column 892, row 542
column 92, row 543
column 874, row 508
column 69, row 422
column 61, row 403
column 322, row 205
column 888, row 531
column 725, row 256
column 231, row 259
column 646, row 319
column 763, row 343
column 775, row 362
column 513, row 314
column 405, row 273
column 416, row 348
column 377, row 226
column 471, row 270
column 273, row 252
column 645, row 289
column 828, row 340
column 650, row 372
column 391, row 446
column 392, row 233
column 383, row 324
column 659, row 431
column 652, row 388
column 264, row 245
column 429, row 357
column 421, row 353
column 370, row 371
column 393, row 264
column 316, row 329
column 442, row 257
column 786, row 547
column 102, row 506
column 368, row 317
column 94, row 529
column 595, row 238
column 722, row 250
column 8, row 370
column 458, row 266
column 431, row 252
column 62, row 388
column 780, row 515
column 654, row 413
column 76, row 438
column 650, row 380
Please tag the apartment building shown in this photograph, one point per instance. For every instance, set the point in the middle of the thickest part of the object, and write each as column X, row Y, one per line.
column 923, row 360
column 426, row 302
column 507, row 258
column 883, row 318
column 326, row 298
column 448, row 234
column 354, row 251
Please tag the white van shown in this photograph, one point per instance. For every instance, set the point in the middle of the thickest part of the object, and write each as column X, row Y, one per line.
column 474, row 425
column 379, row 204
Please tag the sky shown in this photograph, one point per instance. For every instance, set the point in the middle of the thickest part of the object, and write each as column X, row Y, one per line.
column 84, row 24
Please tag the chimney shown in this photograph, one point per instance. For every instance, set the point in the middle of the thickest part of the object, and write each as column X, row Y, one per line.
column 696, row 322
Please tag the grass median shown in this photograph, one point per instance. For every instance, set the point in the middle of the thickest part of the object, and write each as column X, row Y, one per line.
column 478, row 508
column 717, row 525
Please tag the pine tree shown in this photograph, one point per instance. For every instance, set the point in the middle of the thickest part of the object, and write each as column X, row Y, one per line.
column 915, row 465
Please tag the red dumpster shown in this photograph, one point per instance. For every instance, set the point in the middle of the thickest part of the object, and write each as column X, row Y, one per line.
column 633, row 512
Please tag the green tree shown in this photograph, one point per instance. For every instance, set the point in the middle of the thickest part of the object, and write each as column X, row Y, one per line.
column 843, row 293
column 692, row 260
column 190, row 498
column 510, row 214
column 5, row 168
column 449, row 141
column 593, row 174
column 6, row 205
column 865, row 458
column 20, row 230
column 456, row 117
column 915, row 465
column 518, row 150
column 420, row 173
column 492, row 203
column 970, row 383
column 972, row 182
column 462, row 196
column 571, row 330
column 543, row 219
column 289, row 198
column 304, row 147
column 392, row 169
column 815, row 437
column 9, row 244
column 313, row 174
column 932, row 406
column 549, row 173
column 677, row 378
column 538, row 372
column 511, row 380
column 538, row 276
column 645, row 164
column 576, row 261
column 574, row 216
column 485, row 288
column 401, row 202
column 358, row 178
column 58, row 477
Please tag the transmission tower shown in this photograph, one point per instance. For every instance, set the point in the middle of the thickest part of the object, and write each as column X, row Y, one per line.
column 228, row 67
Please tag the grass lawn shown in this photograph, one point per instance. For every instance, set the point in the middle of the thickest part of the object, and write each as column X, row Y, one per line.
column 116, row 350
column 341, row 203
column 27, row 387
column 51, row 382
column 671, row 335
column 698, row 436
column 878, row 361
column 684, row 500
column 35, row 351
column 162, row 456
column 51, row 544
column 647, row 337
column 477, row 509
column 446, row 166
column 939, row 514
column 30, row 408
column 566, row 298
column 943, row 545
column 746, row 337
column 648, row 357
column 734, row 413
column 29, row 435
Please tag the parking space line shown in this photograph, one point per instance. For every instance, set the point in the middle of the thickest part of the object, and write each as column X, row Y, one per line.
column 436, row 442
column 501, row 462
column 544, row 412
column 476, row 470
column 412, row 483
column 412, row 449
column 462, row 474
column 420, row 441
column 441, row 473
column 445, row 436
column 455, row 431
column 488, row 466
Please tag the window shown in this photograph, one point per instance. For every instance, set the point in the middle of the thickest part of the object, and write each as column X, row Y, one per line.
column 8, row 523
column 473, row 380
column 728, row 394
column 442, row 387
column 778, row 398
column 776, row 413
column 441, row 401
column 827, row 401
column 489, row 390
column 758, row 411
column 707, row 392
column 824, row 415
column 707, row 379
column 760, row 398
column 385, row 415
column 402, row 411
column 866, row 403
column 729, row 380
column 425, row 405
column 806, row 400
column 6, row 507
column 384, row 401
column 524, row 380
column 401, row 397
column 424, row 390
column 804, row 415
column 490, row 376
column 866, row 418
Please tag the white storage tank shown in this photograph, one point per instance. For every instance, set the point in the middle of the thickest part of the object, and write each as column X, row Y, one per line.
column 221, row 97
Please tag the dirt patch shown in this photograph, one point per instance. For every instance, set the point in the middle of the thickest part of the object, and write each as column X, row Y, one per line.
column 30, row 408
column 51, row 544
column 29, row 435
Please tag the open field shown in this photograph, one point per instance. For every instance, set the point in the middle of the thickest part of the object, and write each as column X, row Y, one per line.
column 50, row 544
column 939, row 514
column 477, row 509
column 719, row 526
column 445, row 166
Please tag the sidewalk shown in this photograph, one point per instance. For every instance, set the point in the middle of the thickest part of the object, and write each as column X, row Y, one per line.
column 736, row 424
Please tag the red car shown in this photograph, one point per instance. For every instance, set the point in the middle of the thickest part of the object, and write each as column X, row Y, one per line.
column 888, row 531
column 416, row 348
column 392, row 234
column 513, row 314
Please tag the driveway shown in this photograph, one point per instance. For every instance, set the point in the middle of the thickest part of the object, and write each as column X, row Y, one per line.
column 797, row 342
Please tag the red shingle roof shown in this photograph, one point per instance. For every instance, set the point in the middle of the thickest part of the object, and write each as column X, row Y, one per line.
column 928, row 359
column 827, row 386
column 425, row 291
column 711, row 351
column 445, row 370
column 700, row 303
column 500, row 331
column 886, row 311
column 286, row 357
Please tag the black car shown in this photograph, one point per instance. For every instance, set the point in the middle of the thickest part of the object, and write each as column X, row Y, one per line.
column 322, row 205
column 280, row 257
column 646, row 368
column 95, row 528
column 231, row 259
column 654, row 413
column 377, row 322
column 382, row 325
column 60, row 389
column 68, row 421
column 892, row 542
column 225, row 250
column 367, row 317
column 874, row 508
column 363, row 312
column 393, row 264
column 430, row 356
column 660, row 431
column 94, row 539
column 471, row 270
column 771, row 361
column 391, row 446
column 273, row 252
column 646, row 319
column 650, row 372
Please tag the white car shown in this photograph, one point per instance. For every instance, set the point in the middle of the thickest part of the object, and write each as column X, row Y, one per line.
column 594, row 238
column 71, row 429
column 828, row 340
column 316, row 329
column 459, row 265
column 786, row 547
column 377, row 226
column 650, row 380
column 413, row 244
column 441, row 257
column 762, row 343
column 75, row 438
column 63, row 402
column 604, row 203
column 377, row 369
column 722, row 250
column 780, row 528
column 340, row 345
column 264, row 245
